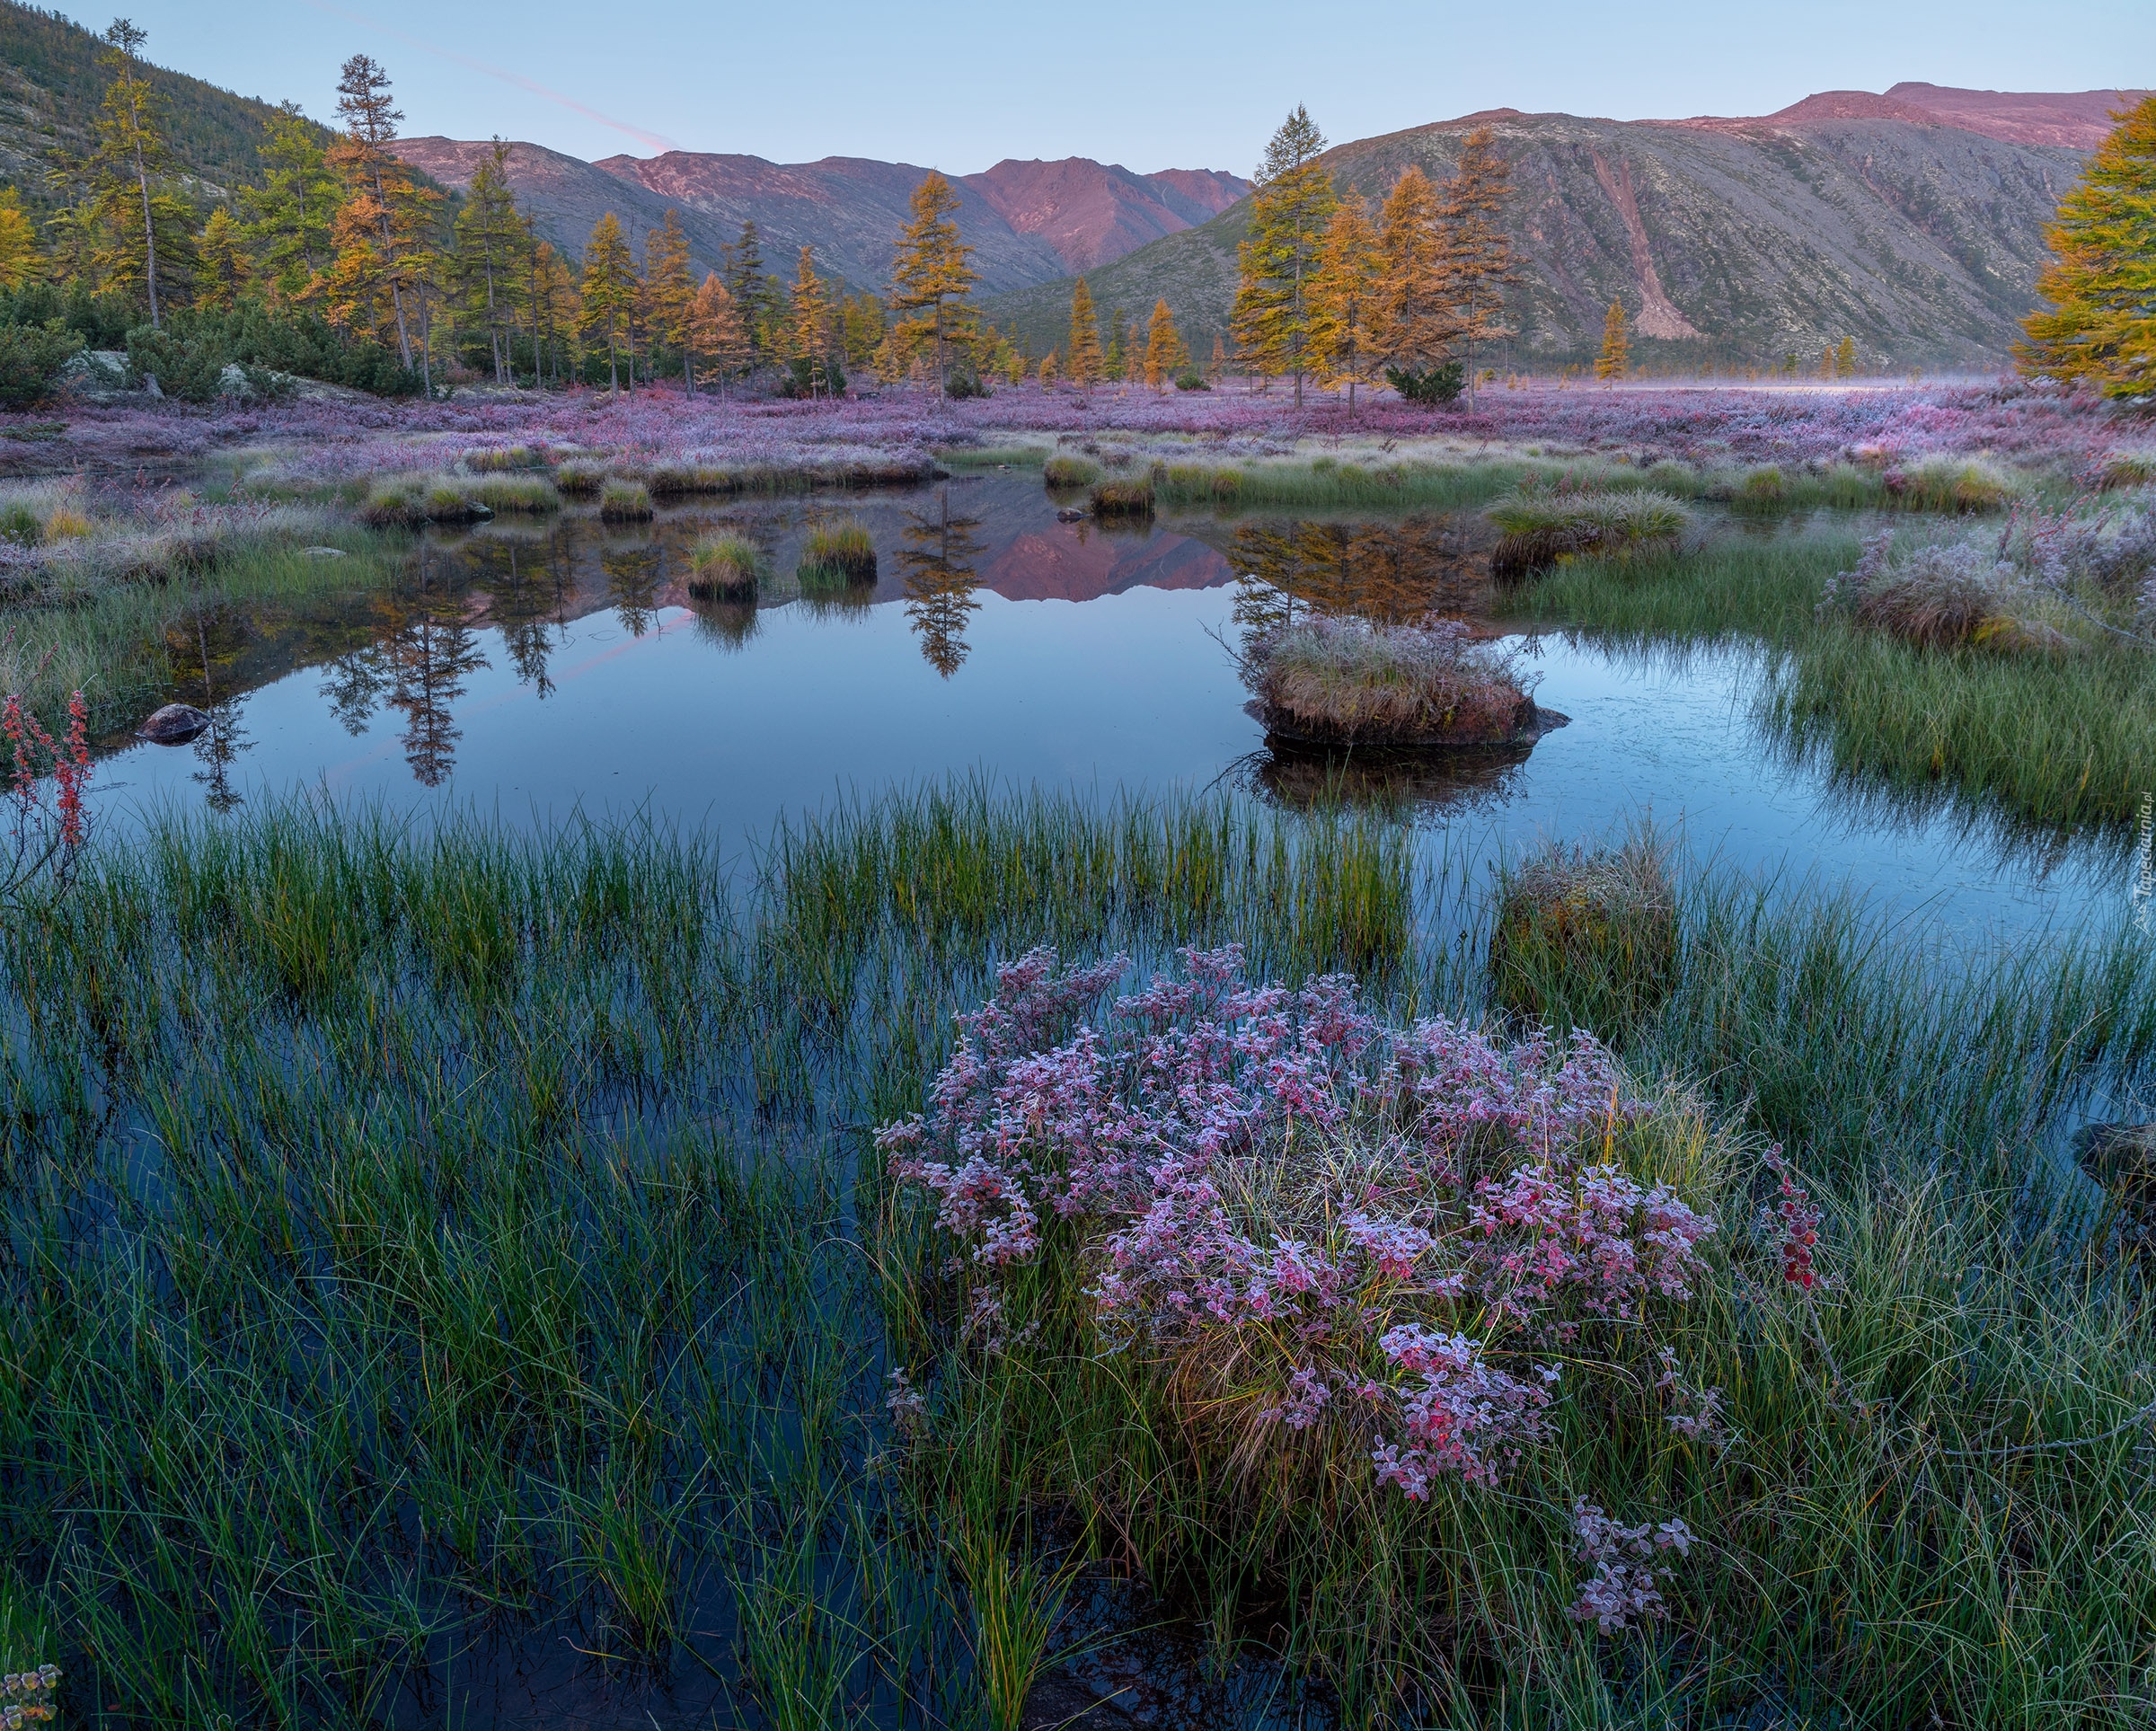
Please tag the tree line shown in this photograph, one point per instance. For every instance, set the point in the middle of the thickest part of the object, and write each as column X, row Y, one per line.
column 344, row 263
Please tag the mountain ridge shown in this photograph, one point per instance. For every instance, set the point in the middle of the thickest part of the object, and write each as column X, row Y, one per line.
column 1027, row 222
column 1916, row 227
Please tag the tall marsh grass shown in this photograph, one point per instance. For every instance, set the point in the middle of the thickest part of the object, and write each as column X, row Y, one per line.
column 467, row 1240
column 2051, row 740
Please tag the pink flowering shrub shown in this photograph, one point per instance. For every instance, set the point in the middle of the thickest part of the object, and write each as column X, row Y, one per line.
column 1301, row 1216
column 46, row 822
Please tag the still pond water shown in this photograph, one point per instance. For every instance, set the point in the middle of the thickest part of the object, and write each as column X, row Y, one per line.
column 535, row 670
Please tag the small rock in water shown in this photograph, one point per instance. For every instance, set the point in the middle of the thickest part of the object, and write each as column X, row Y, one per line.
column 1070, row 513
column 173, row 725
column 322, row 553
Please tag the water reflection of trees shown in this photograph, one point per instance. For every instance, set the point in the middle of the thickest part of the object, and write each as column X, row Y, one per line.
column 940, row 580
column 1389, row 571
column 205, row 651
column 632, row 583
column 1393, row 572
column 418, row 665
column 527, row 597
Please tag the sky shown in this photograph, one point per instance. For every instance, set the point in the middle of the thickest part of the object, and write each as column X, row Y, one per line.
column 961, row 86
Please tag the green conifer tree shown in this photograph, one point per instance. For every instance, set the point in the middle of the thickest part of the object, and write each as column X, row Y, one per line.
column 1290, row 206
column 222, row 271
column 609, row 293
column 287, row 220
column 670, row 291
column 488, row 234
column 147, row 230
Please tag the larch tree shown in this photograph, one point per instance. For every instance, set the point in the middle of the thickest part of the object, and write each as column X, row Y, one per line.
column 2100, row 328
column 1048, row 371
column 18, row 241
column 223, row 269
column 488, row 233
column 810, row 333
column 606, row 294
column 126, row 170
column 1115, row 358
column 1085, row 363
column 716, row 331
column 1344, row 294
column 287, row 220
column 1290, row 206
column 380, row 230
column 670, row 290
column 931, row 276
column 1412, row 324
column 1479, row 263
column 1845, row 359
column 557, row 315
column 1217, row 368
column 1616, row 345
column 1163, row 346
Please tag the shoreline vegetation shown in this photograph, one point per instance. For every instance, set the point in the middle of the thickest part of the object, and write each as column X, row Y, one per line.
column 537, row 1211
column 862, row 1282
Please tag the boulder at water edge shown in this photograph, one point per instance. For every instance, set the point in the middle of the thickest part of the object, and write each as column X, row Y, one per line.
column 173, row 725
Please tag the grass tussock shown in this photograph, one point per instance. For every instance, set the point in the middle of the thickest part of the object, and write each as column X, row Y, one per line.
column 1952, row 485
column 2126, row 468
column 1539, row 529
column 581, row 477
column 494, row 459
column 997, row 456
column 409, row 500
column 724, row 564
column 625, row 501
column 838, row 554
column 2044, row 737
column 1121, row 498
column 1069, row 471
column 1349, row 680
column 1587, row 935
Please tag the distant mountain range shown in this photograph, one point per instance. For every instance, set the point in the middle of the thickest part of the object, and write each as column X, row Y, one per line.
column 1913, row 221
column 1027, row 222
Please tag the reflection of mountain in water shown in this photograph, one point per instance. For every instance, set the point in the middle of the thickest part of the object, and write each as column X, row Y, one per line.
column 411, row 648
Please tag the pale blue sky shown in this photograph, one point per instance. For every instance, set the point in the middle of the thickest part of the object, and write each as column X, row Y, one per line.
column 1152, row 85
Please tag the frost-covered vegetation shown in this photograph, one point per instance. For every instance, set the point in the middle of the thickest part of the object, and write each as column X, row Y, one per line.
column 1348, row 679
column 1433, row 1368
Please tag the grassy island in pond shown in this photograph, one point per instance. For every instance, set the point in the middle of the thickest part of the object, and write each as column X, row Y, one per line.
column 1349, row 681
